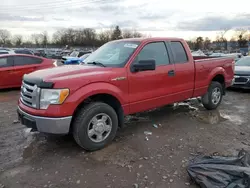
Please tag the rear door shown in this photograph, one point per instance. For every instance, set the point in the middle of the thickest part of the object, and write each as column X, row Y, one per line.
column 184, row 70
column 6, row 71
column 24, row 65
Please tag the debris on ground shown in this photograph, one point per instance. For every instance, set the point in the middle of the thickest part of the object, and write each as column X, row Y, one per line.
column 136, row 185
column 155, row 126
column 187, row 183
column 16, row 121
column 147, row 133
column 218, row 171
column 146, row 138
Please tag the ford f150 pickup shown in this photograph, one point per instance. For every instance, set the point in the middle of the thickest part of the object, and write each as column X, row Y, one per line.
column 122, row 77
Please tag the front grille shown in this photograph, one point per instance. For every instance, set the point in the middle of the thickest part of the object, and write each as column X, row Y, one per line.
column 29, row 94
column 241, row 80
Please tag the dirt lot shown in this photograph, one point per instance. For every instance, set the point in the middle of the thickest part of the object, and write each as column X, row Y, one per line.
column 184, row 131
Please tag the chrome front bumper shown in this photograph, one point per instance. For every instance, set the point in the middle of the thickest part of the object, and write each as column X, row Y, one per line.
column 45, row 124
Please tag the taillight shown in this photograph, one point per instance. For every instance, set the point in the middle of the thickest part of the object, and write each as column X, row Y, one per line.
column 55, row 63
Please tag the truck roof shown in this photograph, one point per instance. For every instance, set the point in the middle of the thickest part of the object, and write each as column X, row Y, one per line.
column 150, row 39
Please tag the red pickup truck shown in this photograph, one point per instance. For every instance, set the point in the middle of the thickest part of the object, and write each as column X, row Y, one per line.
column 122, row 77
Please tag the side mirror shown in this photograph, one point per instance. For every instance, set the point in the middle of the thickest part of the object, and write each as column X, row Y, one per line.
column 143, row 65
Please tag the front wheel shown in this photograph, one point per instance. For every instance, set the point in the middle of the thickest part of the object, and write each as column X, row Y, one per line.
column 212, row 99
column 95, row 126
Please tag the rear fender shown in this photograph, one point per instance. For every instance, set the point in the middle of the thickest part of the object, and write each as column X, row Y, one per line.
column 216, row 71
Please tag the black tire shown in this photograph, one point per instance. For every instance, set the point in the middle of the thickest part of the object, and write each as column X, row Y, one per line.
column 82, row 120
column 207, row 98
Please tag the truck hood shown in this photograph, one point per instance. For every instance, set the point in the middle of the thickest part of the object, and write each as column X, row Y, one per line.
column 85, row 73
column 242, row 70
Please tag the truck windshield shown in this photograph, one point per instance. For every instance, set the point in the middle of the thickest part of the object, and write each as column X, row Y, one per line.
column 113, row 54
column 245, row 61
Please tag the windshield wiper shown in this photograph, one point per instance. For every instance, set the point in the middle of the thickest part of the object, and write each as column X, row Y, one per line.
column 96, row 63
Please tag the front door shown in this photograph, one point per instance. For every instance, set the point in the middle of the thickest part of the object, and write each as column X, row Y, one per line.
column 23, row 65
column 150, row 89
column 6, row 72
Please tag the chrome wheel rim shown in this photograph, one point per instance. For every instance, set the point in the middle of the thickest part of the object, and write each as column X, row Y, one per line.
column 216, row 95
column 99, row 127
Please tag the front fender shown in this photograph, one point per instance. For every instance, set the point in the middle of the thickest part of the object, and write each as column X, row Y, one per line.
column 96, row 88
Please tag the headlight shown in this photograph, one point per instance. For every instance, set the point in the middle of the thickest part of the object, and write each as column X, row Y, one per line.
column 52, row 96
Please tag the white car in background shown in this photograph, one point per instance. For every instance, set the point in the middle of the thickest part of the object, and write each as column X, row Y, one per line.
column 6, row 52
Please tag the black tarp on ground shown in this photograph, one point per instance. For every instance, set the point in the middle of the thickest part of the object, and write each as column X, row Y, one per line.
column 221, row 172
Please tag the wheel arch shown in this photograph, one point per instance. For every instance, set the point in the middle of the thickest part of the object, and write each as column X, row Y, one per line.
column 105, row 98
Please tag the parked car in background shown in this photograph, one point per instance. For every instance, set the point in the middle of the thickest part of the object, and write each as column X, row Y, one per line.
column 6, row 52
column 120, row 78
column 23, row 51
column 242, row 73
column 66, row 53
column 14, row 66
column 74, row 54
column 76, row 60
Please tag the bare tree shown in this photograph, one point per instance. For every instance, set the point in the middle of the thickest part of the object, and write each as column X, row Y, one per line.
column 90, row 36
column 126, row 33
column 137, row 34
column 44, row 38
column 104, row 36
column 4, row 36
column 17, row 40
column 199, row 43
column 207, row 43
column 36, row 38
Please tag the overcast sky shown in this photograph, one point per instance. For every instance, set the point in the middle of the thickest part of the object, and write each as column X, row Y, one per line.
column 178, row 18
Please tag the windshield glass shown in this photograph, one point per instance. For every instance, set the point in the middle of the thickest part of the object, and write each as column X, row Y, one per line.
column 113, row 54
column 74, row 54
column 84, row 56
column 245, row 61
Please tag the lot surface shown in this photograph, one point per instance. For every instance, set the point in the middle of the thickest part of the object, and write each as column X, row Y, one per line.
column 29, row 160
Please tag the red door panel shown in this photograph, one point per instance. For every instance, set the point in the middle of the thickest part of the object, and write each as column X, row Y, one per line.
column 6, row 72
column 24, row 65
column 150, row 89
column 184, row 71
column 19, row 71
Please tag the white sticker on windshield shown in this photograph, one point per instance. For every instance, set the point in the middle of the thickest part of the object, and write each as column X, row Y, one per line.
column 130, row 45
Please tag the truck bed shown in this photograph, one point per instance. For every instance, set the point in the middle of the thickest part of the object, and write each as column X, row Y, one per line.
column 206, row 66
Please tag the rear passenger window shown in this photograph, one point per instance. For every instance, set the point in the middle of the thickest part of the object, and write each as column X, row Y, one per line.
column 180, row 55
column 23, row 60
column 3, row 62
column 156, row 51
column 6, row 62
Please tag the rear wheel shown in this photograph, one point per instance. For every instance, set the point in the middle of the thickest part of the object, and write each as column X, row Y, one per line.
column 95, row 126
column 212, row 99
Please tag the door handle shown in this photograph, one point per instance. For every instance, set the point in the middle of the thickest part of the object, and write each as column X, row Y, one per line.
column 171, row 73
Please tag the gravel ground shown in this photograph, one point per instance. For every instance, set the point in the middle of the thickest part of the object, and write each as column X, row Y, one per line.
column 185, row 130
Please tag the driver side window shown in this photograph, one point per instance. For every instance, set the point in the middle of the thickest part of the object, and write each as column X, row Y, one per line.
column 154, row 51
